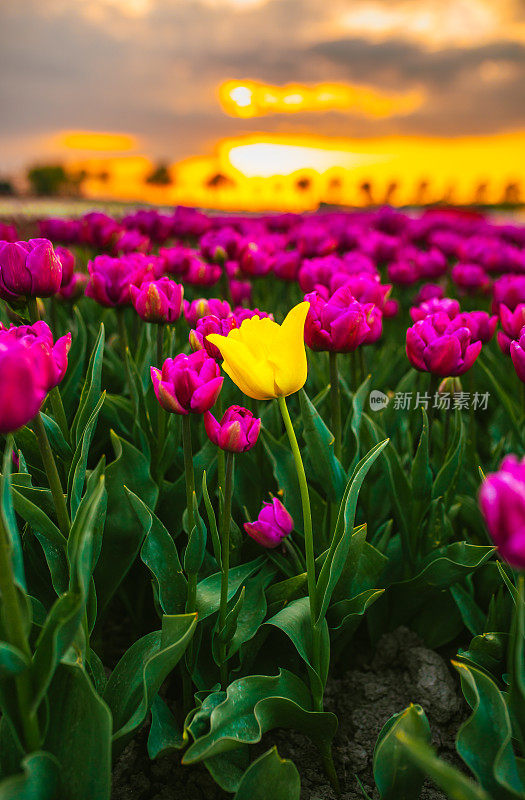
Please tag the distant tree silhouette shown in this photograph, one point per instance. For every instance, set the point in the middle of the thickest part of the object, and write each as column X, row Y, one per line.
column 303, row 184
column 390, row 192
column 480, row 193
column 366, row 190
column 48, row 179
column 512, row 194
column 160, row 176
column 421, row 195
column 219, row 181
column 6, row 188
column 53, row 179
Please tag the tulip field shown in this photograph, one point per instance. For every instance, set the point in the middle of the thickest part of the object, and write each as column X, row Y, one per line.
column 251, row 465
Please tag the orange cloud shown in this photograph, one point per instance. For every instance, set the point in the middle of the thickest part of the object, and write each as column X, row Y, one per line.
column 96, row 141
column 247, row 99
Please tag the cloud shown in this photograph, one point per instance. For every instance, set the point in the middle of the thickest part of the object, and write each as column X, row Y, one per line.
column 152, row 67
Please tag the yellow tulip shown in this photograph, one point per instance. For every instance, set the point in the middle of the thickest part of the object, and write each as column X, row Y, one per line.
column 264, row 359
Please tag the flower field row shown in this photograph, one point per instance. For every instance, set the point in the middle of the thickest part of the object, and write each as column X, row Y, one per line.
column 213, row 493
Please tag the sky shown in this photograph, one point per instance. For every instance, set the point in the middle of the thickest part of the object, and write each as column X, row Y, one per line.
column 152, row 68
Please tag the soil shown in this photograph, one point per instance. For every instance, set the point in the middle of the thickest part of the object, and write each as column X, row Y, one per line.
column 400, row 671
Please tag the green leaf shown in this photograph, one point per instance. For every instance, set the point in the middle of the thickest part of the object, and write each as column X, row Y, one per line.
column 270, row 770
column 141, row 672
column 447, row 476
column 484, row 741
column 440, row 570
column 12, row 661
column 396, row 776
column 212, row 522
column 79, row 735
column 346, row 613
column 56, row 439
column 39, row 781
column 253, row 609
column 456, row 785
column 8, row 515
column 52, row 541
column 336, row 559
column 63, row 620
column 77, row 472
column 91, row 389
column 76, row 361
column 251, row 707
column 164, row 733
column 294, row 620
column 159, row 554
column 123, row 536
column 209, row 590
column 320, row 445
column 196, row 547
column 421, row 474
column 358, row 405
column 471, row 613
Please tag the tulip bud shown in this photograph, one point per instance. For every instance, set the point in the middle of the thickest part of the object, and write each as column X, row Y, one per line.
column 49, row 358
column 237, row 432
column 23, row 387
column 436, row 304
column 502, row 501
column 434, row 345
column 187, row 384
column 272, row 525
column 517, row 353
column 31, row 269
column 203, row 307
column 210, row 324
column 158, row 301
column 338, row 324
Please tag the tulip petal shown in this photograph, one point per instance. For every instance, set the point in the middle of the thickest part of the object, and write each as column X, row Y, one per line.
column 289, row 357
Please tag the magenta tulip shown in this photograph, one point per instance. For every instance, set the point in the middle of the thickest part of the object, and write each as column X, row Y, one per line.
column 502, row 501
column 23, row 389
column 338, row 324
column 49, row 358
column 237, row 431
column 30, row 269
column 272, row 525
column 187, row 384
column 159, row 301
column 434, row 345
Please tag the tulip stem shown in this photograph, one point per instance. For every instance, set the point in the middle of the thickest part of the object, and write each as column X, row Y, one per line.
column 221, row 461
column 191, row 595
column 294, row 555
column 335, row 396
column 13, row 625
column 307, row 514
column 161, row 413
column 124, row 348
column 516, row 649
column 326, row 749
column 225, row 561
column 32, row 307
column 160, row 345
column 52, row 475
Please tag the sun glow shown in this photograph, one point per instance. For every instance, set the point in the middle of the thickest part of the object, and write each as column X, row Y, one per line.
column 295, row 173
column 96, row 141
column 248, row 99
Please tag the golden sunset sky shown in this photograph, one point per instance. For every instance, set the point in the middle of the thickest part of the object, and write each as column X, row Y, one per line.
column 384, row 87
